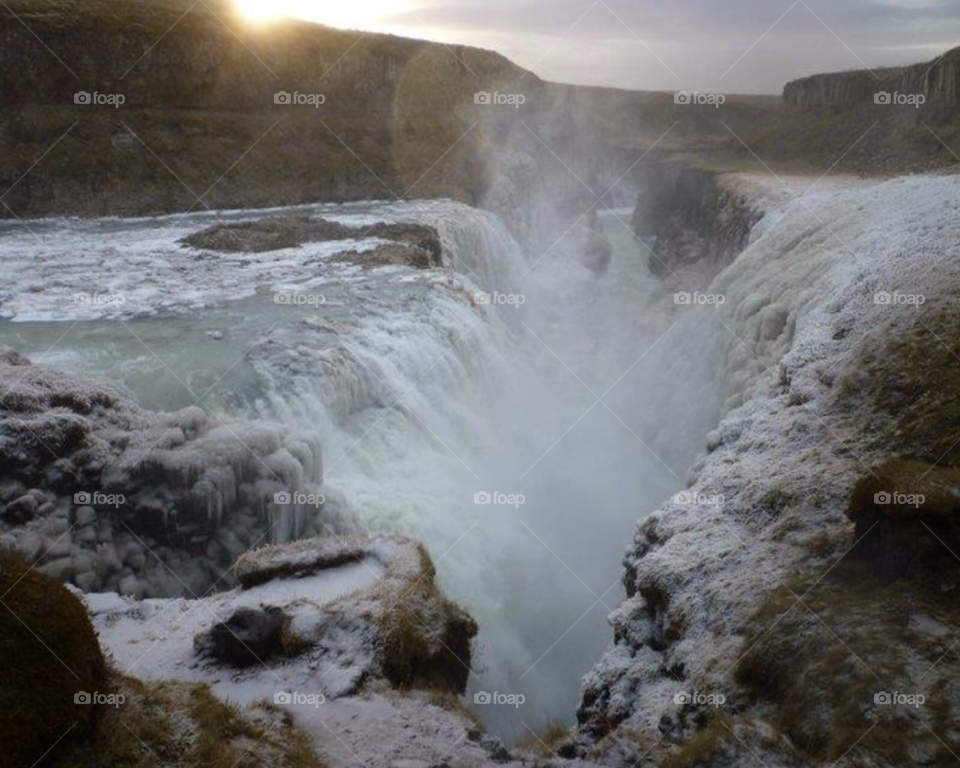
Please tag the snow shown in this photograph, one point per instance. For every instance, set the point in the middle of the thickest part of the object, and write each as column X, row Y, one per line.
column 805, row 274
column 154, row 640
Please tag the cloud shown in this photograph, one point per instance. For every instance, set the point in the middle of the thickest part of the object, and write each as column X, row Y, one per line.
column 642, row 44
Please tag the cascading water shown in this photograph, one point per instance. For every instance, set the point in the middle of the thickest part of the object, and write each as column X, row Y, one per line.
column 426, row 402
column 469, row 400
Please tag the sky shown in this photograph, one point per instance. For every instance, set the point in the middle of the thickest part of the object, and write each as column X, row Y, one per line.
column 731, row 46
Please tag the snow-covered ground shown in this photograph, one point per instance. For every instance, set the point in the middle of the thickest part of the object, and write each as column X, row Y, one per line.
column 157, row 640
column 799, row 300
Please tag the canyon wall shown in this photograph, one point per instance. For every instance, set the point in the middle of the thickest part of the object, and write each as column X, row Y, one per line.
column 937, row 80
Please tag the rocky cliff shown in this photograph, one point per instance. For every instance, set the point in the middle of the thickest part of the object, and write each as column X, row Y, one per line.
column 937, row 80
column 696, row 226
column 796, row 605
column 199, row 116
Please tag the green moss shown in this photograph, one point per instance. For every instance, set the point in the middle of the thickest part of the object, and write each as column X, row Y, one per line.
column 50, row 653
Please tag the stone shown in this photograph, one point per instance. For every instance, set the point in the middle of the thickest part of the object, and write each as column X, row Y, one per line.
column 249, row 636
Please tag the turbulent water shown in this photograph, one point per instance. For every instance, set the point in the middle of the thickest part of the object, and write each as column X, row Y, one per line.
column 424, row 400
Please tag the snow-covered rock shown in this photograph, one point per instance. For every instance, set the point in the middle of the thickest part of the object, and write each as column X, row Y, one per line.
column 821, row 285
column 359, row 610
column 107, row 495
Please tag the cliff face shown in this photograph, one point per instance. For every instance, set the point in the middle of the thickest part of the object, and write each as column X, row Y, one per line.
column 938, row 81
column 697, row 226
column 754, row 629
column 199, row 94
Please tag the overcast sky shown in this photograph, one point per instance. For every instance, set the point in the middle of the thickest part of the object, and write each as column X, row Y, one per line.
column 723, row 45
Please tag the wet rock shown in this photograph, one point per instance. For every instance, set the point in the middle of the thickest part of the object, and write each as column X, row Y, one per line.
column 249, row 636
column 180, row 479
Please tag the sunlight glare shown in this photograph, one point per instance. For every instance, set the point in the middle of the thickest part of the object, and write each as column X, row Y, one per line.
column 357, row 14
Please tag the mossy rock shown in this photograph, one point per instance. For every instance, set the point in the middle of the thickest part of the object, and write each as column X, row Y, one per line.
column 426, row 637
column 414, row 655
column 50, row 653
column 820, row 662
column 902, row 385
column 907, row 516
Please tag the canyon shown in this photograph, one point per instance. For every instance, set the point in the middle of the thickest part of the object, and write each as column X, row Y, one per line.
column 306, row 436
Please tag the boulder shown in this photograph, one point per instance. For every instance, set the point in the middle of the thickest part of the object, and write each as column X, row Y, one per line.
column 250, row 636
column 907, row 516
column 50, row 654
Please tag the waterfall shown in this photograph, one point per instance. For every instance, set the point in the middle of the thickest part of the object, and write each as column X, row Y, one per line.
column 553, row 385
column 437, row 399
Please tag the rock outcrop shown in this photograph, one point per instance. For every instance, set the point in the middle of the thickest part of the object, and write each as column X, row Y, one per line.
column 52, row 666
column 695, row 225
column 937, row 81
column 108, row 496
column 779, row 610
column 202, row 91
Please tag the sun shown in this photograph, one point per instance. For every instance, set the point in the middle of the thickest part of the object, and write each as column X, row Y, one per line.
column 262, row 10
column 369, row 15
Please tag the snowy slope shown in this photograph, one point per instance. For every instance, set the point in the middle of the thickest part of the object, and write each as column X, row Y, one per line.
column 799, row 300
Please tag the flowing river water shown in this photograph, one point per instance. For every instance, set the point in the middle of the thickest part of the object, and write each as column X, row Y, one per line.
column 423, row 400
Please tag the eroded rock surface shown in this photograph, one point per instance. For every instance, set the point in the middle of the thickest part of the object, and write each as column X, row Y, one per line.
column 104, row 494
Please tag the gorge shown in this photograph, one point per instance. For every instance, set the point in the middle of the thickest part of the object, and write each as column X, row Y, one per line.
column 600, row 444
